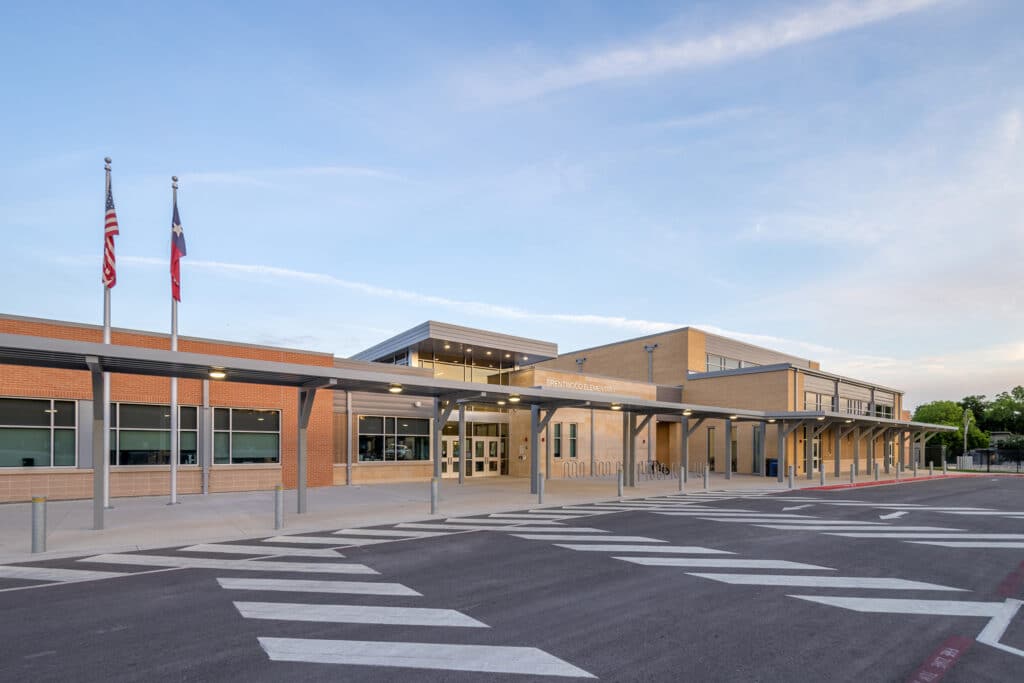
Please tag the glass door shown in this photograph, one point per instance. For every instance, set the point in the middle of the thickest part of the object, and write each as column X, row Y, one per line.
column 450, row 460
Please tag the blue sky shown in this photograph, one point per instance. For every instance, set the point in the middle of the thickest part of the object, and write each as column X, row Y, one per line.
column 840, row 180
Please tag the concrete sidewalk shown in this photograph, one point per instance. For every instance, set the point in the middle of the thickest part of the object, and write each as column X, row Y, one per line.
column 143, row 523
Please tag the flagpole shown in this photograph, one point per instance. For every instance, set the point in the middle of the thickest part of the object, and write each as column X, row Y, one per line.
column 174, row 380
column 105, row 458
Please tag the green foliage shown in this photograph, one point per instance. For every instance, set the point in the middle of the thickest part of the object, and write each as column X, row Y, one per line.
column 952, row 414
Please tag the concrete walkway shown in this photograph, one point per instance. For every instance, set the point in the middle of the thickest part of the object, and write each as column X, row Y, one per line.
column 143, row 523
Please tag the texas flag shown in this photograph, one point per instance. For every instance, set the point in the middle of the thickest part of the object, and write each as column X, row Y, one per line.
column 177, row 251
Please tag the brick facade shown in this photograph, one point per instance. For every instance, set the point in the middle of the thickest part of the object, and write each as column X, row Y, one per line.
column 19, row 484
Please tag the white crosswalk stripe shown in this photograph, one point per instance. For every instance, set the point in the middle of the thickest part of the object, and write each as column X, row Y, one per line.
column 55, row 574
column 308, row 540
column 626, row 548
column 716, row 562
column 357, row 614
column 790, row 522
column 389, row 533
column 476, row 658
column 735, row 515
column 516, row 528
column 244, row 565
column 312, row 586
column 853, row 527
column 494, row 522
column 974, row 544
column 233, row 549
column 823, row 581
column 529, row 517
column 580, row 537
column 965, row 536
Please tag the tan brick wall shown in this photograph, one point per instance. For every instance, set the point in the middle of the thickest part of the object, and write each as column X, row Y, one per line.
column 628, row 360
column 70, row 384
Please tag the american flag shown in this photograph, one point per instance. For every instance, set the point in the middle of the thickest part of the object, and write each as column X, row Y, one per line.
column 109, row 230
column 177, row 251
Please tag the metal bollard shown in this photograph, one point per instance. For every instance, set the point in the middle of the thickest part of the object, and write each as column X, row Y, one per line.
column 789, row 475
column 931, row 469
column 944, row 467
column 435, row 485
column 620, row 478
column 39, row 524
column 915, row 468
column 540, row 488
column 707, row 477
column 898, row 470
column 821, row 476
column 278, row 507
column 682, row 479
column 875, row 468
column 853, row 475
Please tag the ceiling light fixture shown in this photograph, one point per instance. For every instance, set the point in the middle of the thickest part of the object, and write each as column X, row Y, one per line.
column 513, row 398
column 501, row 403
column 771, row 421
column 218, row 373
column 616, row 406
column 687, row 413
column 821, row 419
column 395, row 388
column 734, row 417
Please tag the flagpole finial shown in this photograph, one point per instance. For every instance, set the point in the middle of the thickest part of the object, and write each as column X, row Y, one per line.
column 174, row 181
column 107, row 161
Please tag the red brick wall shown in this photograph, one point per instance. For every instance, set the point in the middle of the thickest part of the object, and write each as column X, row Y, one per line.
column 72, row 384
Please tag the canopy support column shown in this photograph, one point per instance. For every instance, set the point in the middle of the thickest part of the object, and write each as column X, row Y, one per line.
column 99, row 458
column 728, row 448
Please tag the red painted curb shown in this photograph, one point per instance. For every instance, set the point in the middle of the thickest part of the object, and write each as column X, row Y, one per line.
column 884, row 482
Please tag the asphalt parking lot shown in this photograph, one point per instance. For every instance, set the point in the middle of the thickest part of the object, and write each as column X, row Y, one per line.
column 916, row 582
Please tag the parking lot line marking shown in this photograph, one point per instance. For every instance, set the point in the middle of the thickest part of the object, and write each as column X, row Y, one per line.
column 478, row 658
column 950, row 608
column 973, row 544
column 824, row 581
column 723, row 562
column 244, row 565
column 597, row 539
column 231, row 549
column 528, row 516
column 55, row 574
column 736, row 515
column 618, row 547
column 357, row 614
column 389, row 533
column 312, row 586
column 808, row 522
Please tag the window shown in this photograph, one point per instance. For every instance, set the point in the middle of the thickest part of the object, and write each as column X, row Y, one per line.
column 37, row 432
column 556, row 441
column 246, row 436
column 716, row 363
column 393, row 439
column 573, row 430
column 140, row 434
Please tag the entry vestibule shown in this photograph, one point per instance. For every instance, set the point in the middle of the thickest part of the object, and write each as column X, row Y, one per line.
column 487, row 450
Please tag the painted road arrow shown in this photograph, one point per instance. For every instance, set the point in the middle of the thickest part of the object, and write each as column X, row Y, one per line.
column 892, row 515
column 796, row 507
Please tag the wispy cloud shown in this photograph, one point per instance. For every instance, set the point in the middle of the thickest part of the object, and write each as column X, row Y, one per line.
column 731, row 44
column 706, row 118
column 268, row 177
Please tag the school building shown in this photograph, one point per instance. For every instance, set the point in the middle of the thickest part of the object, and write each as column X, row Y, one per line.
column 252, row 416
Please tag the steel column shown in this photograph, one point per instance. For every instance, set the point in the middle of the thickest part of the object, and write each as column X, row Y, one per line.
column 626, row 436
column 684, row 449
column 98, row 456
column 837, row 449
column 306, row 397
column 728, row 449
column 809, row 452
column 206, row 438
column 348, row 438
column 780, row 456
column 462, row 445
column 534, row 446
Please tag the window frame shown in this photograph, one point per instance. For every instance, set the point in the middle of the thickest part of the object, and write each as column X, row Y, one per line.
column 231, row 431
column 393, row 437
column 52, row 429
column 116, row 428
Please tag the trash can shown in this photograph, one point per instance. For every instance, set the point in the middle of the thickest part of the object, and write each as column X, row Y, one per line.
column 772, row 467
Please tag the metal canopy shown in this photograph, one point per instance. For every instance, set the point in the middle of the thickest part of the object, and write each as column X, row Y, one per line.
column 16, row 349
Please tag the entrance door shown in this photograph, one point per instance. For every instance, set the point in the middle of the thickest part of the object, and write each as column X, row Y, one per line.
column 450, row 461
column 487, row 454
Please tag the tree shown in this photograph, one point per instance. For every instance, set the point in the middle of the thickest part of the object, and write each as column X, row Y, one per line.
column 979, row 407
column 1006, row 412
column 952, row 414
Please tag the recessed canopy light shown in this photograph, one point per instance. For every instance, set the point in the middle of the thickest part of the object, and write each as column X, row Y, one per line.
column 771, row 421
column 218, row 373
column 469, row 350
column 501, row 403
column 734, row 417
column 513, row 398
column 849, row 421
column 687, row 412
column 526, row 358
column 821, row 419
column 616, row 406
column 447, row 346
column 508, row 355
column 488, row 353
column 395, row 388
